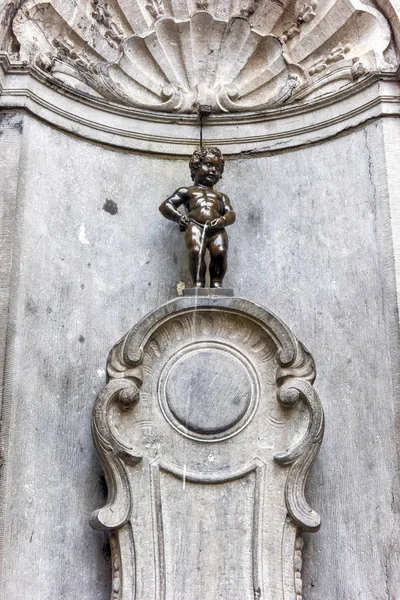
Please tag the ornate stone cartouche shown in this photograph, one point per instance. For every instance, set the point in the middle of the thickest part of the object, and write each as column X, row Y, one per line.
column 206, row 447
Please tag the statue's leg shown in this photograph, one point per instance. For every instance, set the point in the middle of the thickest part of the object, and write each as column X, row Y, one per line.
column 197, row 264
column 218, row 247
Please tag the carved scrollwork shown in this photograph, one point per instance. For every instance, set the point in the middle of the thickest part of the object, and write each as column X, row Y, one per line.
column 116, row 566
column 155, row 8
column 113, row 453
column 163, row 57
column 298, row 562
column 249, row 8
column 294, row 385
column 306, row 14
column 103, row 15
column 207, row 369
column 202, row 4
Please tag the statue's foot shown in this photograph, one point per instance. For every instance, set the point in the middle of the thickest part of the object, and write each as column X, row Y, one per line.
column 216, row 284
column 198, row 284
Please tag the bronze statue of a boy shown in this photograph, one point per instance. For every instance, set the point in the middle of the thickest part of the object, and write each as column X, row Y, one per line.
column 208, row 213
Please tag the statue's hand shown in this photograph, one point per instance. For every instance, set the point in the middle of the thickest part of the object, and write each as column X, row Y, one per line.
column 217, row 223
column 184, row 222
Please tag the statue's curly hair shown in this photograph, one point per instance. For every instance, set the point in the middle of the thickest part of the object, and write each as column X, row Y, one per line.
column 199, row 155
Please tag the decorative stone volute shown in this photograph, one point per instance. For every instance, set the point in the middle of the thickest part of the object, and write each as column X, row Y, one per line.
column 203, row 396
column 244, row 55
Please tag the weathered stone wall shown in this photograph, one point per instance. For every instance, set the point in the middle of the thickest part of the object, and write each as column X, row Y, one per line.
column 92, row 254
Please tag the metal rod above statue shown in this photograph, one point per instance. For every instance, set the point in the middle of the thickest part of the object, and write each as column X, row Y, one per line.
column 207, row 214
column 204, row 110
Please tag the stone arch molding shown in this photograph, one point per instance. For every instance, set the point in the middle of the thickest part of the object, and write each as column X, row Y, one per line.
column 203, row 397
column 234, row 55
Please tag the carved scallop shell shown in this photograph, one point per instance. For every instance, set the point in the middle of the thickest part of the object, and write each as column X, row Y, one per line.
column 172, row 55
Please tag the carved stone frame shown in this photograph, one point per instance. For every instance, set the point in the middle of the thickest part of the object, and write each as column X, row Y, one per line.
column 295, row 374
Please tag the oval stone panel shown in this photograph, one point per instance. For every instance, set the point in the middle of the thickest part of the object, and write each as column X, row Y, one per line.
column 207, row 388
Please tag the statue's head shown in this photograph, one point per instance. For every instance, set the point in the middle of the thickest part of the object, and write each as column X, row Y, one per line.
column 206, row 166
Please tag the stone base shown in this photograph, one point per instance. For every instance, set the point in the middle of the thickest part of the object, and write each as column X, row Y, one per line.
column 225, row 292
column 194, row 393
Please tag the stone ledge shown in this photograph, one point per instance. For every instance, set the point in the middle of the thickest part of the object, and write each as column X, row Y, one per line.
column 133, row 129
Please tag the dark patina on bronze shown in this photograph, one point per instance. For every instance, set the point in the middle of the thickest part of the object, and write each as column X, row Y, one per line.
column 208, row 212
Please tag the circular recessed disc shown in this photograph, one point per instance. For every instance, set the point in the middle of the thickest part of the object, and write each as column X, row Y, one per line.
column 207, row 388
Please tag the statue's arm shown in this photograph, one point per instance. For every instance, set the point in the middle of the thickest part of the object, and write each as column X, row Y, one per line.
column 227, row 211
column 169, row 208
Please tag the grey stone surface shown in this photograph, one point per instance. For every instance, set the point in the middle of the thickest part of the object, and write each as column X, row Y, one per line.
column 312, row 242
column 160, row 56
column 111, row 72
column 259, row 132
column 228, row 386
column 235, row 530
column 11, row 127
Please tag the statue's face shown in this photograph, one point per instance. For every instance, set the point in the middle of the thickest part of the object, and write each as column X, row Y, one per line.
column 209, row 171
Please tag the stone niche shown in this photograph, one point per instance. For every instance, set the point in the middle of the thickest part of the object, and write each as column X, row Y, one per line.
column 206, row 431
column 99, row 102
column 132, row 73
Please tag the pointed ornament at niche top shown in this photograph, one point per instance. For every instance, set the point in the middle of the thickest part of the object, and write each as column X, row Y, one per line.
column 245, row 55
